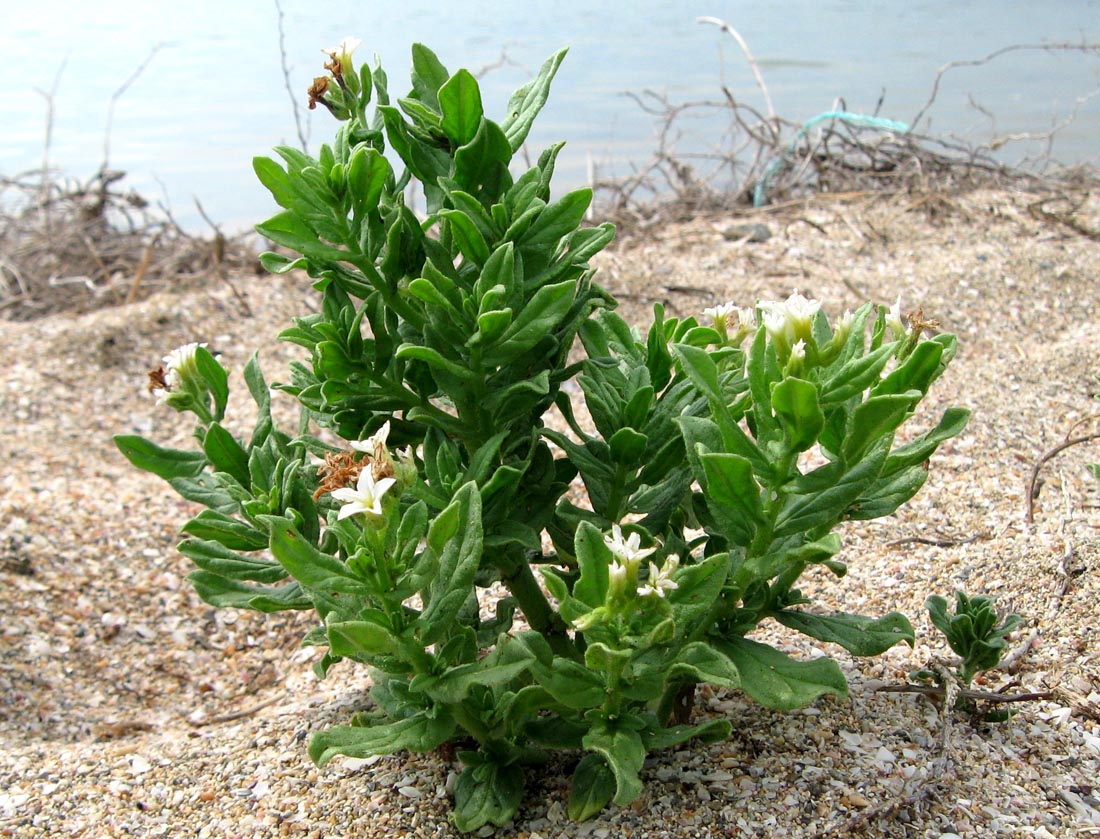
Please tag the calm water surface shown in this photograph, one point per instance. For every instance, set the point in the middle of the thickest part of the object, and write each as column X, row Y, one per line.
column 213, row 95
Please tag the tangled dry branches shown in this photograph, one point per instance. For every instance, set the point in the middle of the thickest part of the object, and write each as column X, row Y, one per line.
column 759, row 158
column 68, row 245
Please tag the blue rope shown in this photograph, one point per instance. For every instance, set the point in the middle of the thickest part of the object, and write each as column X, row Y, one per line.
column 760, row 194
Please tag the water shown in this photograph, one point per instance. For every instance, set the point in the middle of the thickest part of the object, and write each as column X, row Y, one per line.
column 213, row 95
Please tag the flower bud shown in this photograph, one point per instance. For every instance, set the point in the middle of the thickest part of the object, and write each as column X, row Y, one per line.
column 789, row 322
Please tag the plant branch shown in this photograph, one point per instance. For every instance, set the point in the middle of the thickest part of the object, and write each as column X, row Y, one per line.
column 1032, row 489
column 134, row 76
column 965, row 693
column 725, row 27
column 978, row 62
column 303, row 139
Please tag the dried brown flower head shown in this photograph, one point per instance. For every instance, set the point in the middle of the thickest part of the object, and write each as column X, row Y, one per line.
column 340, row 469
column 317, row 90
column 157, row 380
column 918, row 323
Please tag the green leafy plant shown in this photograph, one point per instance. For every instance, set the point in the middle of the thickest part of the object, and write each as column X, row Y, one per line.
column 423, row 475
column 972, row 632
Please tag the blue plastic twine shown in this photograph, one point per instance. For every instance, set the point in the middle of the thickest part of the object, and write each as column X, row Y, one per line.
column 760, row 194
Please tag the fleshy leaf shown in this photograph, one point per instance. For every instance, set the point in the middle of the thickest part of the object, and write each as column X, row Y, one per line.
column 778, row 681
column 858, row 634
column 592, row 788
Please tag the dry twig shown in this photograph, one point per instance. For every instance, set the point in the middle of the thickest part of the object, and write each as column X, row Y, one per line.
column 303, row 138
column 1033, row 479
column 938, row 543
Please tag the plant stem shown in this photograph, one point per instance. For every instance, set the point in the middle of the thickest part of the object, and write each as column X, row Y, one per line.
column 615, row 497
column 676, row 704
column 472, row 723
column 517, row 576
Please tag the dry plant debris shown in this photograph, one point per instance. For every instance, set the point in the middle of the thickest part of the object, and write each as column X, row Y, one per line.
column 761, row 159
column 129, row 707
column 72, row 246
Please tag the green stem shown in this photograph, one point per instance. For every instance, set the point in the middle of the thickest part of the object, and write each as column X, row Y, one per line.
column 520, row 581
column 677, row 697
column 668, row 702
column 615, row 497
column 472, row 723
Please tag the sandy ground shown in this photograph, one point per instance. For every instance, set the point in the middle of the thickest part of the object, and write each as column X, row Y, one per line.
column 130, row 708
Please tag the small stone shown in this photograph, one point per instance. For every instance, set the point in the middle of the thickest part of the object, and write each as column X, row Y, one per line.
column 854, row 799
column 139, row 765
column 751, row 232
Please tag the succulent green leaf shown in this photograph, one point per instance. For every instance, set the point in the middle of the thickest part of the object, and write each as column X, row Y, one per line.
column 228, row 531
column 162, row 462
column 418, row 733
column 593, row 557
column 858, row 634
column 217, row 559
column 592, row 788
column 468, row 237
column 309, row 566
column 874, row 419
column 455, row 537
column 710, row 731
column 540, row 316
column 796, row 405
column 487, row 793
column 558, row 219
column 226, row 454
column 367, row 638
column 368, row 172
column 528, row 100
column 628, row 446
column 225, row 593
column 460, row 102
column 621, row 747
column 428, row 75
column 777, row 681
column 733, row 495
column 701, row 663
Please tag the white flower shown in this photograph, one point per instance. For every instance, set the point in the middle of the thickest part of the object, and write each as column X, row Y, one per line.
column 365, row 498
column 790, row 320
column 798, row 351
column 894, row 321
column 629, row 550
column 720, row 313
column 178, row 371
column 376, row 443
column 844, row 324
column 661, row 580
column 746, row 320
column 342, row 51
column 616, row 575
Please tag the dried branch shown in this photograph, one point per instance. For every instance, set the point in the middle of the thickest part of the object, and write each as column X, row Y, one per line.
column 953, row 65
column 725, row 27
column 965, row 693
column 762, row 158
column 118, row 94
column 1033, row 479
column 303, row 138
column 938, row 543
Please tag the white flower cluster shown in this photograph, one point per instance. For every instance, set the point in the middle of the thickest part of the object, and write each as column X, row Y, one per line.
column 728, row 315
column 660, row 580
column 179, row 369
column 628, row 554
column 378, row 476
column 790, row 321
